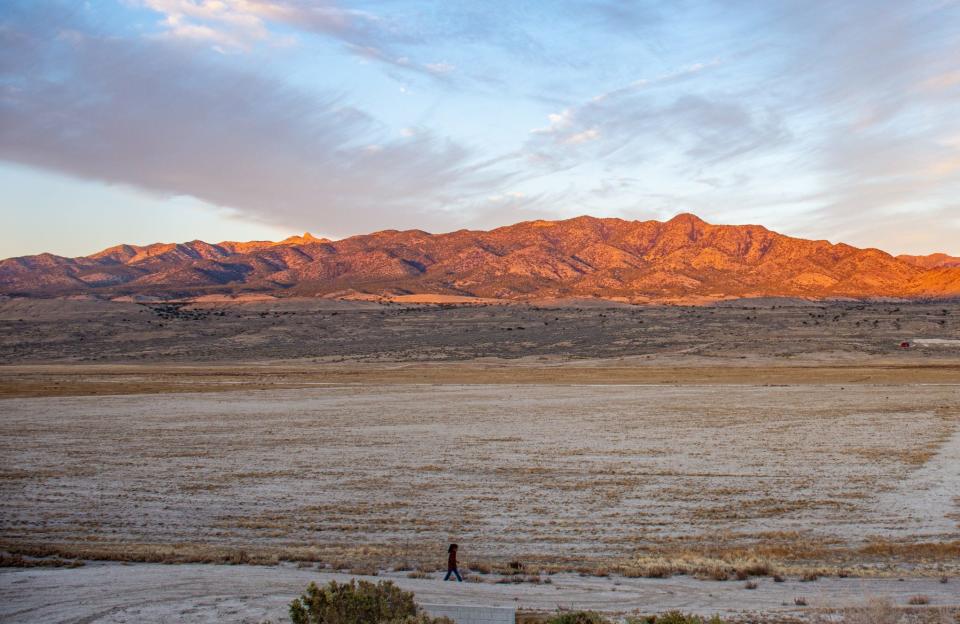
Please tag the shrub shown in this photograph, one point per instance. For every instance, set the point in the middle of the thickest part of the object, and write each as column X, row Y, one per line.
column 358, row 603
column 578, row 617
column 918, row 600
column 674, row 617
column 363, row 571
column 716, row 573
column 875, row 611
column 657, row 571
column 760, row 567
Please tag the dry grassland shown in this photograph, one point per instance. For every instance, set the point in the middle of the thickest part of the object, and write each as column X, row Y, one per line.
column 723, row 443
column 710, row 479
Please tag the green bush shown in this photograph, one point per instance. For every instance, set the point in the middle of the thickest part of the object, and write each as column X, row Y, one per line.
column 578, row 617
column 358, row 603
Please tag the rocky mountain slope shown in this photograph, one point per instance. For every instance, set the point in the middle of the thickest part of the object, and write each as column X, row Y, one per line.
column 933, row 261
column 683, row 259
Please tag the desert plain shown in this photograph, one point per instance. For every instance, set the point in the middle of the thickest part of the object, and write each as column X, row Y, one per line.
column 769, row 460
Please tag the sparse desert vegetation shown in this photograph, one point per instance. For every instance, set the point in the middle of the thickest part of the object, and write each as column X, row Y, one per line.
column 765, row 332
column 703, row 455
column 358, row 603
column 716, row 482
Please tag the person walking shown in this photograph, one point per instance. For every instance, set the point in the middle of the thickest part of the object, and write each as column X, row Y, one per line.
column 452, row 563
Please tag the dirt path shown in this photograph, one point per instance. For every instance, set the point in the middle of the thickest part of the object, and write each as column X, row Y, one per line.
column 212, row 593
column 929, row 499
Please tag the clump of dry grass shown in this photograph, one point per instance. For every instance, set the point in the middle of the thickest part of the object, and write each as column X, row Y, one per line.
column 699, row 567
column 919, row 599
column 648, row 571
column 18, row 561
column 715, row 573
column 534, row 579
column 874, row 611
column 674, row 617
column 163, row 553
column 789, row 552
column 364, row 571
column 912, row 551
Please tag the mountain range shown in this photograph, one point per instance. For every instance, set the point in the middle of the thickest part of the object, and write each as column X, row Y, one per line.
column 683, row 259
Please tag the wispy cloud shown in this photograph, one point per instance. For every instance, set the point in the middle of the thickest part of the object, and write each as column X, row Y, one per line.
column 154, row 116
column 643, row 120
column 247, row 22
column 239, row 25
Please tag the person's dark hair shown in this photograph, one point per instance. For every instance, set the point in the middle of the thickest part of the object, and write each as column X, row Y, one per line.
column 452, row 548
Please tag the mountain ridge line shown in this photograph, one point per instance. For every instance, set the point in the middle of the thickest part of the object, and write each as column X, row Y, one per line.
column 684, row 258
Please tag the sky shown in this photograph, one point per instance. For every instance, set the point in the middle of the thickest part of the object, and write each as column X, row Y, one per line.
column 140, row 121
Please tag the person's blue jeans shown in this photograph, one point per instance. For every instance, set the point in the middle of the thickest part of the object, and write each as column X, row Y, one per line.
column 453, row 571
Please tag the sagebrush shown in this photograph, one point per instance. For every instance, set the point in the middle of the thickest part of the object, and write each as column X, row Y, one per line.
column 675, row 617
column 672, row 617
column 360, row 602
column 578, row 617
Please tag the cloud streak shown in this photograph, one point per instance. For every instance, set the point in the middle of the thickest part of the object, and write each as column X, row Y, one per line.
column 654, row 120
column 240, row 25
column 154, row 116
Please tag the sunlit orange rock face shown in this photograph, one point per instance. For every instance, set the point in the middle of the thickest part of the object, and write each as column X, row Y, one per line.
column 684, row 259
column 933, row 261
